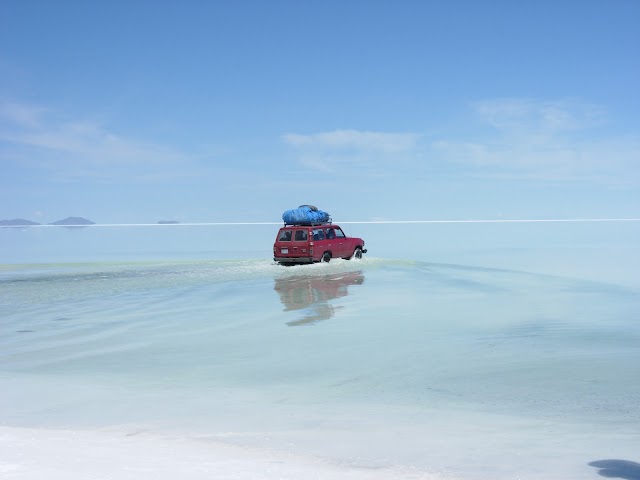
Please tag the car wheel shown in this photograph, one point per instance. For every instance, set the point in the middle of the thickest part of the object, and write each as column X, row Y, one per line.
column 326, row 257
column 357, row 253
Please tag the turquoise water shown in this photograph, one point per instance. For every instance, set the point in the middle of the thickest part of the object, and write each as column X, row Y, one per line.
column 512, row 356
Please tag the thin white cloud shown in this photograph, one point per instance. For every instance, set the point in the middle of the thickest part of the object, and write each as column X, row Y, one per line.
column 340, row 149
column 69, row 149
column 561, row 140
column 513, row 114
column 354, row 139
column 27, row 116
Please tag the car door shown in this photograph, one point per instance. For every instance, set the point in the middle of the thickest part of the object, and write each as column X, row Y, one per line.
column 300, row 245
column 336, row 242
column 320, row 243
column 346, row 243
column 282, row 245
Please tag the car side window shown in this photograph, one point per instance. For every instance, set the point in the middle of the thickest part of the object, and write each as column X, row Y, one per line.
column 301, row 236
column 339, row 233
column 331, row 233
column 318, row 234
column 285, row 236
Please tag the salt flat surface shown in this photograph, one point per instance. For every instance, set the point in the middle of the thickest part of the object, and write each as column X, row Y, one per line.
column 30, row 454
column 475, row 363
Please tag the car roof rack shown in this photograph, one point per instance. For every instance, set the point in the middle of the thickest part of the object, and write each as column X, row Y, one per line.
column 308, row 224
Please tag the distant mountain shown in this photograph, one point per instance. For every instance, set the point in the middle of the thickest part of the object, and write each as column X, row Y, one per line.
column 17, row 221
column 168, row 222
column 74, row 221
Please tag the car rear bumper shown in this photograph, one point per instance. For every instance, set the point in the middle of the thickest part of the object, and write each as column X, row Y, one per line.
column 293, row 259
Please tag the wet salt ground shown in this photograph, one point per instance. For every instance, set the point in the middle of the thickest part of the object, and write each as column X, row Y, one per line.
column 478, row 363
column 459, row 370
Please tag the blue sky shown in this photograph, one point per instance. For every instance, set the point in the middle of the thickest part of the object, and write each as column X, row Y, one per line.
column 201, row 111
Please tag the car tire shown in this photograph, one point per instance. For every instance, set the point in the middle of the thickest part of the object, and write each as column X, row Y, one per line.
column 326, row 257
column 357, row 253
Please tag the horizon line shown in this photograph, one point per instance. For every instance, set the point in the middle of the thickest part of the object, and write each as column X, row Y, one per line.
column 358, row 222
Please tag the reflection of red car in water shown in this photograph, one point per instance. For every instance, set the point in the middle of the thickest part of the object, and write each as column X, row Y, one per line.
column 312, row 293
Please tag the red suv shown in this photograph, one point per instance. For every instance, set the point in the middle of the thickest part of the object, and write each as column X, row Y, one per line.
column 315, row 243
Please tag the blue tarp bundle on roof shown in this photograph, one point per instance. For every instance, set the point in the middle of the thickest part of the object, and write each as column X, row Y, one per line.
column 305, row 215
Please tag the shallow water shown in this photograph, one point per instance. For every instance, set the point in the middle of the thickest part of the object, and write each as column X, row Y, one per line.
column 476, row 371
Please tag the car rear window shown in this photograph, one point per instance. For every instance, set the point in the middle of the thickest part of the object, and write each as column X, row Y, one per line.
column 285, row 236
column 301, row 236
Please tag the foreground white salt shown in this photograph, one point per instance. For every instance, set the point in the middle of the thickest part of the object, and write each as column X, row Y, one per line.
column 34, row 454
